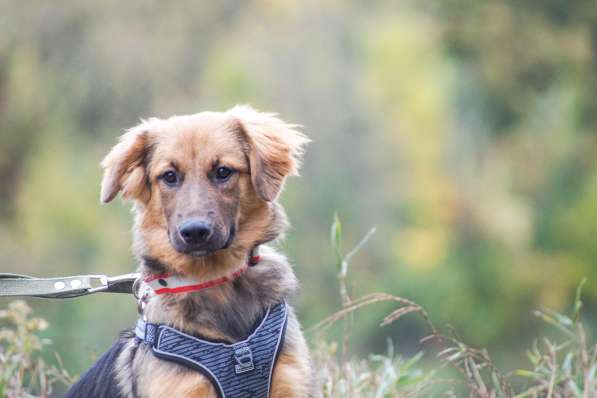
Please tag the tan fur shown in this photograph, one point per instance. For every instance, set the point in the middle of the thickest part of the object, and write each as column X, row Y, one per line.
column 164, row 380
column 292, row 368
column 263, row 150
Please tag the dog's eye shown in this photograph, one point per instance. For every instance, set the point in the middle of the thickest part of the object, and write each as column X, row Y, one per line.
column 170, row 177
column 223, row 173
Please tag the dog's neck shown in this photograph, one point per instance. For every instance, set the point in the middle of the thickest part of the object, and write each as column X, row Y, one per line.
column 229, row 311
column 225, row 312
column 153, row 267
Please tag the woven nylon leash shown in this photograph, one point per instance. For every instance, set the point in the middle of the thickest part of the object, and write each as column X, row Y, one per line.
column 65, row 287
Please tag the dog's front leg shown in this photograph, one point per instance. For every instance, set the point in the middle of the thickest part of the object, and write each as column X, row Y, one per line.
column 191, row 385
column 293, row 376
column 289, row 379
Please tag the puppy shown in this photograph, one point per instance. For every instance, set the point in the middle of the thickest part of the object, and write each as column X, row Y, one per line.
column 204, row 189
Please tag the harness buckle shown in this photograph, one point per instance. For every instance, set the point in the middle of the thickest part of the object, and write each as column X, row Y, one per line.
column 243, row 360
column 151, row 332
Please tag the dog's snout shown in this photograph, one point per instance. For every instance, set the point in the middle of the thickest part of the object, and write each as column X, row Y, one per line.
column 195, row 232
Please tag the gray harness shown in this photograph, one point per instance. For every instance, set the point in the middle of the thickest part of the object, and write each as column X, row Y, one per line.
column 240, row 370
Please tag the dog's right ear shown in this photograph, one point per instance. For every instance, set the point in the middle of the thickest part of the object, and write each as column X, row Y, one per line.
column 124, row 167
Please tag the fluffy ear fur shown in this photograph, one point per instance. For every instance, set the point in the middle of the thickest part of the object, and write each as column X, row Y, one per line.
column 124, row 167
column 275, row 149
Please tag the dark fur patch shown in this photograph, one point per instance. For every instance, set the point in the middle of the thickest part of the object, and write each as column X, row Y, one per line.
column 99, row 381
column 231, row 236
column 154, row 265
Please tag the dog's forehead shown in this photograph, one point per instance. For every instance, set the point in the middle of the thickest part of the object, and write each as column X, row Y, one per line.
column 202, row 137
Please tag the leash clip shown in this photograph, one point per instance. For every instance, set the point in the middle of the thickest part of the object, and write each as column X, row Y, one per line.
column 105, row 283
column 103, row 280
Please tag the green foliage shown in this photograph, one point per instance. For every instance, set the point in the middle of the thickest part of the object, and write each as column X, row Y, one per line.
column 562, row 368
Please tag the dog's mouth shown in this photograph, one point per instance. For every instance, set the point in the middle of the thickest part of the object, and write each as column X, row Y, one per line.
column 218, row 241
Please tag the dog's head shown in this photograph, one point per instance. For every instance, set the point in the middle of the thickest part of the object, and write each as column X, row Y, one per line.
column 203, row 184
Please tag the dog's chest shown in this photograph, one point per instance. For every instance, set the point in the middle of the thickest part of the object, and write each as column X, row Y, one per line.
column 162, row 379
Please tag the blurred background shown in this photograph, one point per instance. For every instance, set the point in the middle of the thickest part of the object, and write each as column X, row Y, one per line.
column 464, row 130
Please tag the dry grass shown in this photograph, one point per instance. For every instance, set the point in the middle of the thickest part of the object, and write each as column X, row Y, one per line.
column 558, row 369
column 23, row 372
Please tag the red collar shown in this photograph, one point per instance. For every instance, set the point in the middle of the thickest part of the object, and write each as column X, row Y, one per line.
column 169, row 284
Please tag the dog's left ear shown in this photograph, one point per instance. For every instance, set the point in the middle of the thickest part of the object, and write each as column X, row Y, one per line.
column 275, row 149
column 124, row 167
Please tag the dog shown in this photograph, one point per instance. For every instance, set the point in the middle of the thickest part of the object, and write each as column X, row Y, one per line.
column 204, row 189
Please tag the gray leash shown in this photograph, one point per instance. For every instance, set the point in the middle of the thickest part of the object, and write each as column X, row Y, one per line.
column 12, row 285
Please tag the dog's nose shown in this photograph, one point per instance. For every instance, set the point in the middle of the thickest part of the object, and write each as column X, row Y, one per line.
column 195, row 232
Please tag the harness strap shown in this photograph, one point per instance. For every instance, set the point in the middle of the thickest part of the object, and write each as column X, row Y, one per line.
column 239, row 370
column 65, row 287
